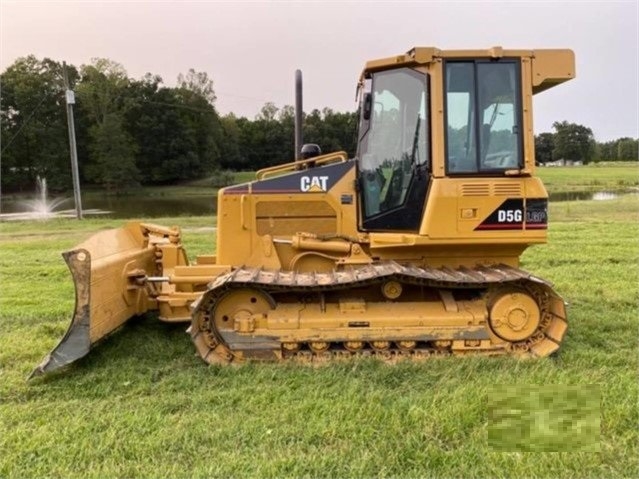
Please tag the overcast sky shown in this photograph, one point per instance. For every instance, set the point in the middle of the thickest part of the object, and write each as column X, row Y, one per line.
column 252, row 49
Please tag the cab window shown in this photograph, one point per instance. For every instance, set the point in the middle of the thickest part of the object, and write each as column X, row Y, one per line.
column 483, row 116
column 395, row 142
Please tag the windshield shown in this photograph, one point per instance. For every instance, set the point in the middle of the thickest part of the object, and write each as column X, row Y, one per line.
column 396, row 140
column 483, row 116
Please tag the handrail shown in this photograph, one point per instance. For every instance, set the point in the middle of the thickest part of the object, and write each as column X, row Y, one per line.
column 339, row 156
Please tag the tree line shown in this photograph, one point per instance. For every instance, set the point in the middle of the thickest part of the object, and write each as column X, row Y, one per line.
column 576, row 143
column 141, row 132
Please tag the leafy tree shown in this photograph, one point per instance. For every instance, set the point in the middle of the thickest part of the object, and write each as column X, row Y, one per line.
column 231, row 157
column 113, row 152
column 198, row 83
column 103, row 94
column 269, row 139
column 607, row 151
column 286, row 117
column 573, row 142
column 268, row 112
column 249, row 144
column 202, row 123
column 266, row 141
column 621, row 149
column 627, row 149
column 333, row 131
column 131, row 131
column 33, row 124
column 154, row 122
column 178, row 131
column 544, row 145
column 339, row 131
column 103, row 88
column 346, row 123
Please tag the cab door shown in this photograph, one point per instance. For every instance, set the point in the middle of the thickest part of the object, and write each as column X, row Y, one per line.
column 394, row 151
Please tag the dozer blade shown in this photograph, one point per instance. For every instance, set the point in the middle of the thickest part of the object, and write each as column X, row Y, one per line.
column 108, row 271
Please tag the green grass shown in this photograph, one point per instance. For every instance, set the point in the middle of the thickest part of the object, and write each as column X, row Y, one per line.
column 143, row 405
column 552, row 418
column 591, row 177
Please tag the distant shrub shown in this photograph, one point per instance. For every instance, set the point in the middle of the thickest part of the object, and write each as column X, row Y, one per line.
column 221, row 178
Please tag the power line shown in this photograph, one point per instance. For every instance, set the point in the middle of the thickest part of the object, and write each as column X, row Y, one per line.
column 24, row 123
column 185, row 107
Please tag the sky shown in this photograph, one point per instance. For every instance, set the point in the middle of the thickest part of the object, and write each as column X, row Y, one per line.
column 252, row 49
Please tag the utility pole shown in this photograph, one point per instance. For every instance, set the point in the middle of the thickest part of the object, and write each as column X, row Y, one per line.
column 70, row 101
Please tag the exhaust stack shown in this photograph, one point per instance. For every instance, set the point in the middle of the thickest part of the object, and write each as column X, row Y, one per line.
column 299, row 141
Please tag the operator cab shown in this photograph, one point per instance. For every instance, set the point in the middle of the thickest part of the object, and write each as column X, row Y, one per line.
column 482, row 122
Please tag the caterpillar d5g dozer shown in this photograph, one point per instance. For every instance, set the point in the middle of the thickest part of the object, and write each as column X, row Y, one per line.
column 410, row 249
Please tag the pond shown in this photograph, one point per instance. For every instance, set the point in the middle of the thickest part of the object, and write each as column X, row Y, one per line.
column 116, row 207
column 158, row 206
column 153, row 206
column 591, row 195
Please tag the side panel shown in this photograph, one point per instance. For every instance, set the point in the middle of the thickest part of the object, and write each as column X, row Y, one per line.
column 318, row 200
column 486, row 210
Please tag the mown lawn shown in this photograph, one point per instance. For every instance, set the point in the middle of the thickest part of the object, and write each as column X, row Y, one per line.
column 593, row 177
column 143, row 405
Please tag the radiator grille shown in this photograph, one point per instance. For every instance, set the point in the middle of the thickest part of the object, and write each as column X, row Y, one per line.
column 494, row 189
column 507, row 189
column 475, row 189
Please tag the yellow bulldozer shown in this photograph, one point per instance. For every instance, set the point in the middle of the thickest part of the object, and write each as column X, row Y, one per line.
column 410, row 249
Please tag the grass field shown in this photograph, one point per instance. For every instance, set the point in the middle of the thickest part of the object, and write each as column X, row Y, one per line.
column 143, row 405
column 592, row 177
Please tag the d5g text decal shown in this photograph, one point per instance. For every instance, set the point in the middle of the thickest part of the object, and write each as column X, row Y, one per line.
column 512, row 215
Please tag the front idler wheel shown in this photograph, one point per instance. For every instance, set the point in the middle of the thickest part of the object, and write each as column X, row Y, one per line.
column 219, row 318
column 514, row 315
